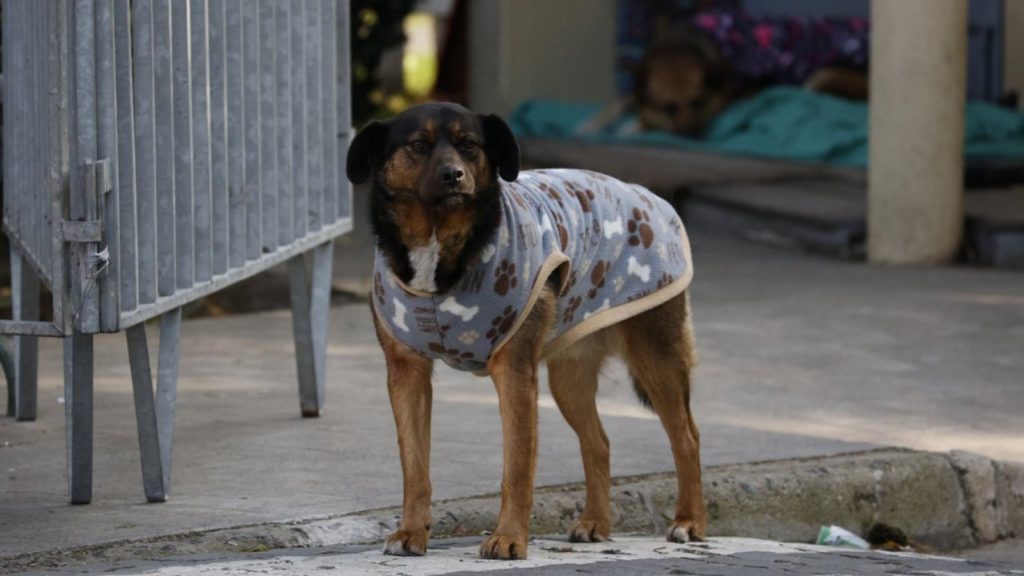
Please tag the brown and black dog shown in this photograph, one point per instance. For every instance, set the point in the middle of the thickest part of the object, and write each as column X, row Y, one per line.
column 435, row 174
column 684, row 82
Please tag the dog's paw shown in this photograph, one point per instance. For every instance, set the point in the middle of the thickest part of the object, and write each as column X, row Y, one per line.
column 407, row 543
column 684, row 531
column 589, row 531
column 504, row 547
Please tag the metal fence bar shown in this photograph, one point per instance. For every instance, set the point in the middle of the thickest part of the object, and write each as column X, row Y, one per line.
column 282, row 114
column 144, row 100
column 167, row 386
column 344, row 122
column 83, row 198
column 78, row 403
column 201, row 182
column 38, row 159
column 45, row 183
column 163, row 77
column 314, row 122
column 184, row 229
column 42, row 101
column 127, row 239
column 145, row 414
column 218, row 137
column 236, row 145
column 298, row 246
column 268, row 126
column 310, row 302
column 14, row 107
column 154, row 413
column 251, row 127
column 26, row 211
column 33, row 231
column 14, row 103
column 58, row 130
column 24, row 306
column 328, row 97
column 21, row 173
column 298, row 116
column 106, row 145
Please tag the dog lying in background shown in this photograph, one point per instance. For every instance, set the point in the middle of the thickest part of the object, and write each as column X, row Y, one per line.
column 692, row 71
column 494, row 275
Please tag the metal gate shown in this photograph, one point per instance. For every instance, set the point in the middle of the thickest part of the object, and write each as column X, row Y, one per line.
column 156, row 151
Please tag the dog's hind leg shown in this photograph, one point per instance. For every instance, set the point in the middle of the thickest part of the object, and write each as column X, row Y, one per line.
column 573, row 381
column 411, row 393
column 659, row 350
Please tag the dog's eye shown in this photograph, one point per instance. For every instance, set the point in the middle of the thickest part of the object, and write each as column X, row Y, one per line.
column 468, row 146
column 419, row 146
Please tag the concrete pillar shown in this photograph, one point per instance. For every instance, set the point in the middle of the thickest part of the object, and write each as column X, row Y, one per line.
column 918, row 87
column 1013, row 46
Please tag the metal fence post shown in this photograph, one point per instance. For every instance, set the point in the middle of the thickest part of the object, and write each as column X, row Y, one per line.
column 78, row 393
column 25, row 304
column 311, row 300
column 154, row 416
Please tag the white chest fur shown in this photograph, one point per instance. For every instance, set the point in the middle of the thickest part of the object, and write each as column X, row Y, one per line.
column 423, row 260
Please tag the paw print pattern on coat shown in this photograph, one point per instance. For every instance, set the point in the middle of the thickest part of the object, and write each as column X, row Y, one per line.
column 647, row 201
column 619, row 283
column 639, row 227
column 573, row 278
column 597, row 277
column 570, row 309
column 518, row 199
column 563, row 232
column 501, row 324
column 506, row 277
column 585, row 197
column 552, row 193
column 452, row 356
column 665, row 280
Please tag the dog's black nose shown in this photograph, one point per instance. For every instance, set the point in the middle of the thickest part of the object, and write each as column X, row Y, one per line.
column 450, row 174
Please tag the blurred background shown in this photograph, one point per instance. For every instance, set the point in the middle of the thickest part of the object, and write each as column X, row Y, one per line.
column 752, row 113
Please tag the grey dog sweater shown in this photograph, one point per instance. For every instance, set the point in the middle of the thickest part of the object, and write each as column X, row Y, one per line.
column 617, row 248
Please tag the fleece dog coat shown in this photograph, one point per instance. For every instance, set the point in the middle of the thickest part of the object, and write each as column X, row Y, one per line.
column 617, row 248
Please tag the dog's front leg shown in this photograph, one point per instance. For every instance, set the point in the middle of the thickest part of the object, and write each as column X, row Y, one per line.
column 410, row 391
column 514, row 370
column 517, row 401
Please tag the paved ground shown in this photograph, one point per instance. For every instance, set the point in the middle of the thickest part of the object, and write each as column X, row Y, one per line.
column 555, row 557
column 800, row 356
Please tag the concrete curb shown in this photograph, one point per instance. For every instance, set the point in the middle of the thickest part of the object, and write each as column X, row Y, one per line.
column 946, row 501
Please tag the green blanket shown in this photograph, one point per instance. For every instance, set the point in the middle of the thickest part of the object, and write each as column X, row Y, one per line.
column 784, row 122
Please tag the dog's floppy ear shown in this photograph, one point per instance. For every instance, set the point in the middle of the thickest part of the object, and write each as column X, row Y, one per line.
column 501, row 146
column 366, row 150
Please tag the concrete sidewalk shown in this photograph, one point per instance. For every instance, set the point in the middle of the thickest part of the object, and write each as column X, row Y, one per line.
column 556, row 557
column 800, row 356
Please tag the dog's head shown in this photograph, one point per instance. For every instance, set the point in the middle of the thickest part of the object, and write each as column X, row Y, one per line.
column 682, row 84
column 439, row 155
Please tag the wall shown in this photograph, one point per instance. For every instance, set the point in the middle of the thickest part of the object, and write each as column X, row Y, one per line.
column 563, row 49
